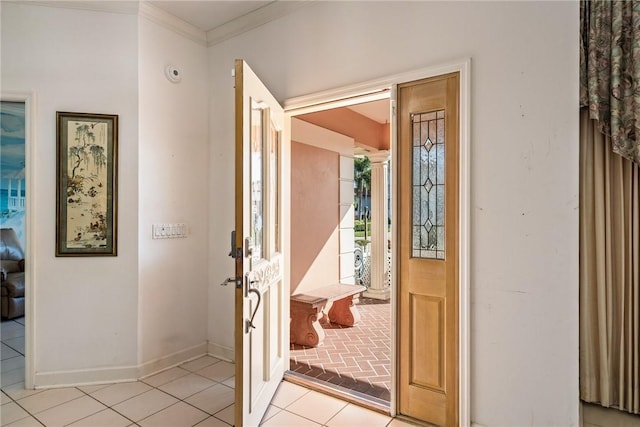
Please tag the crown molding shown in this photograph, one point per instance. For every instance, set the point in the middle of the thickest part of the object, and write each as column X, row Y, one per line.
column 142, row 8
column 123, row 7
column 171, row 22
column 251, row 20
column 247, row 22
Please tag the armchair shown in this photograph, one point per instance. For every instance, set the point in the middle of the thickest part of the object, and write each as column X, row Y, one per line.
column 12, row 274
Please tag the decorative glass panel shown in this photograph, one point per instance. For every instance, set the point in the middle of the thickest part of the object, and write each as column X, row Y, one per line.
column 257, row 207
column 428, row 184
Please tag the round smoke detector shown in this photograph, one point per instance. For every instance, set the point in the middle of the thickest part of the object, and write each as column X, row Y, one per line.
column 174, row 74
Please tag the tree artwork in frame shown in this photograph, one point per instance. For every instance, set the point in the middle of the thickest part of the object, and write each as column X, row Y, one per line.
column 86, row 199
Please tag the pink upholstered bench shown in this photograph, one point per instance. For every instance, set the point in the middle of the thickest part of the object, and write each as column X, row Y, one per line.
column 307, row 309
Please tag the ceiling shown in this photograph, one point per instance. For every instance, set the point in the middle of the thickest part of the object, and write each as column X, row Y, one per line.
column 209, row 14
column 223, row 17
column 375, row 110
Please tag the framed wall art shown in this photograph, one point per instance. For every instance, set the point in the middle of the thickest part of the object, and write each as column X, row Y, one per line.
column 87, row 166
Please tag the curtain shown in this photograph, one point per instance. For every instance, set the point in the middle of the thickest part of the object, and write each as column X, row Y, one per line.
column 609, row 272
column 610, row 71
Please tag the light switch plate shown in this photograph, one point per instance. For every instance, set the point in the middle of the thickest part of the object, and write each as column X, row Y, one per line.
column 169, row 231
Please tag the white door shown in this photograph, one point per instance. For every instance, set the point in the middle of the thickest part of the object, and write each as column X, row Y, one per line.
column 261, row 312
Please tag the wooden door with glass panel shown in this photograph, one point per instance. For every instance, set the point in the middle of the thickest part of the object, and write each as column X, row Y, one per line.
column 260, row 295
column 428, row 191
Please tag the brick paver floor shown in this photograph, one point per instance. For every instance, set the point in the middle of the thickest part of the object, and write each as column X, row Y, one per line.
column 357, row 358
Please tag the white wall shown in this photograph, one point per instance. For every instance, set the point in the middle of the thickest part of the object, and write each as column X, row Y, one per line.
column 173, row 168
column 81, row 61
column 110, row 318
column 524, row 170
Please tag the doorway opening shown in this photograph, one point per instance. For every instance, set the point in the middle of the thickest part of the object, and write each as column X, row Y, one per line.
column 16, row 246
column 387, row 88
column 340, row 234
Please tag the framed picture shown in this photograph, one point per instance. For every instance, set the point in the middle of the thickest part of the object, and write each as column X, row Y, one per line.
column 86, row 202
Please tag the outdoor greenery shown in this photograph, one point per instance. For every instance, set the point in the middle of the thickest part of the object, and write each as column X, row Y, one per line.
column 358, row 228
column 362, row 178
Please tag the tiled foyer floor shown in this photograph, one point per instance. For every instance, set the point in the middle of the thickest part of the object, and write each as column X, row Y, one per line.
column 197, row 393
column 357, row 358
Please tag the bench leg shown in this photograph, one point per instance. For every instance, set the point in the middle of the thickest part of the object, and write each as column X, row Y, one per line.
column 344, row 311
column 305, row 328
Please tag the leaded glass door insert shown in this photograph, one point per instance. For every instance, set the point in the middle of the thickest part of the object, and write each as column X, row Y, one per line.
column 428, row 225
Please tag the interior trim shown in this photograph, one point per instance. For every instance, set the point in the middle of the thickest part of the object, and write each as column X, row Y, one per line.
column 151, row 367
column 173, row 23
column 270, row 12
column 124, row 7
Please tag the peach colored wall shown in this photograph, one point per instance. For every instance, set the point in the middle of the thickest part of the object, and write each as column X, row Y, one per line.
column 363, row 130
column 314, row 217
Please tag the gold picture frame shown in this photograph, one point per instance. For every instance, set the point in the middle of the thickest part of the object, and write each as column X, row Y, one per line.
column 86, row 183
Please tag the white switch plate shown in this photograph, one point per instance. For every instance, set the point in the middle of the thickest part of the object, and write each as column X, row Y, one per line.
column 169, row 231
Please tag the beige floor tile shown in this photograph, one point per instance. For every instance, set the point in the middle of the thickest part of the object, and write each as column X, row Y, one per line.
column 69, row 412
column 145, row 404
column 271, row 411
column 105, row 418
column 227, row 415
column 212, row 422
column 178, row 415
column 116, row 393
column 218, row 371
column 186, row 386
column 352, row 416
column 10, row 412
column 7, row 352
column 287, row 419
column 92, row 388
column 25, row 422
column 10, row 330
column 48, row 399
column 13, row 363
column 16, row 343
column 19, row 320
column 317, row 407
column 288, row 393
column 165, row 376
column 399, row 423
column 199, row 363
column 608, row 417
column 4, row 398
column 12, row 377
column 231, row 382
column 214, row 399
column 17, row 391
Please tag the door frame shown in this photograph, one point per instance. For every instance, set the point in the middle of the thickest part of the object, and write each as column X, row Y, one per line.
column 382, row 88
column 29, row 100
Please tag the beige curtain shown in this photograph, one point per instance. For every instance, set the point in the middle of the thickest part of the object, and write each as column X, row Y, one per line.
column 609, row 273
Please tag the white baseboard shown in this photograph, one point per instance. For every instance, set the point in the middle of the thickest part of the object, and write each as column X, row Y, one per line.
column 85, row 377
column 154, row 366
column 117, row 374
column 221, row 352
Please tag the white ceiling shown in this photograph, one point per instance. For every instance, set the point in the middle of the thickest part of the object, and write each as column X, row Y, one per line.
column 224, row 18
column 209, row 14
